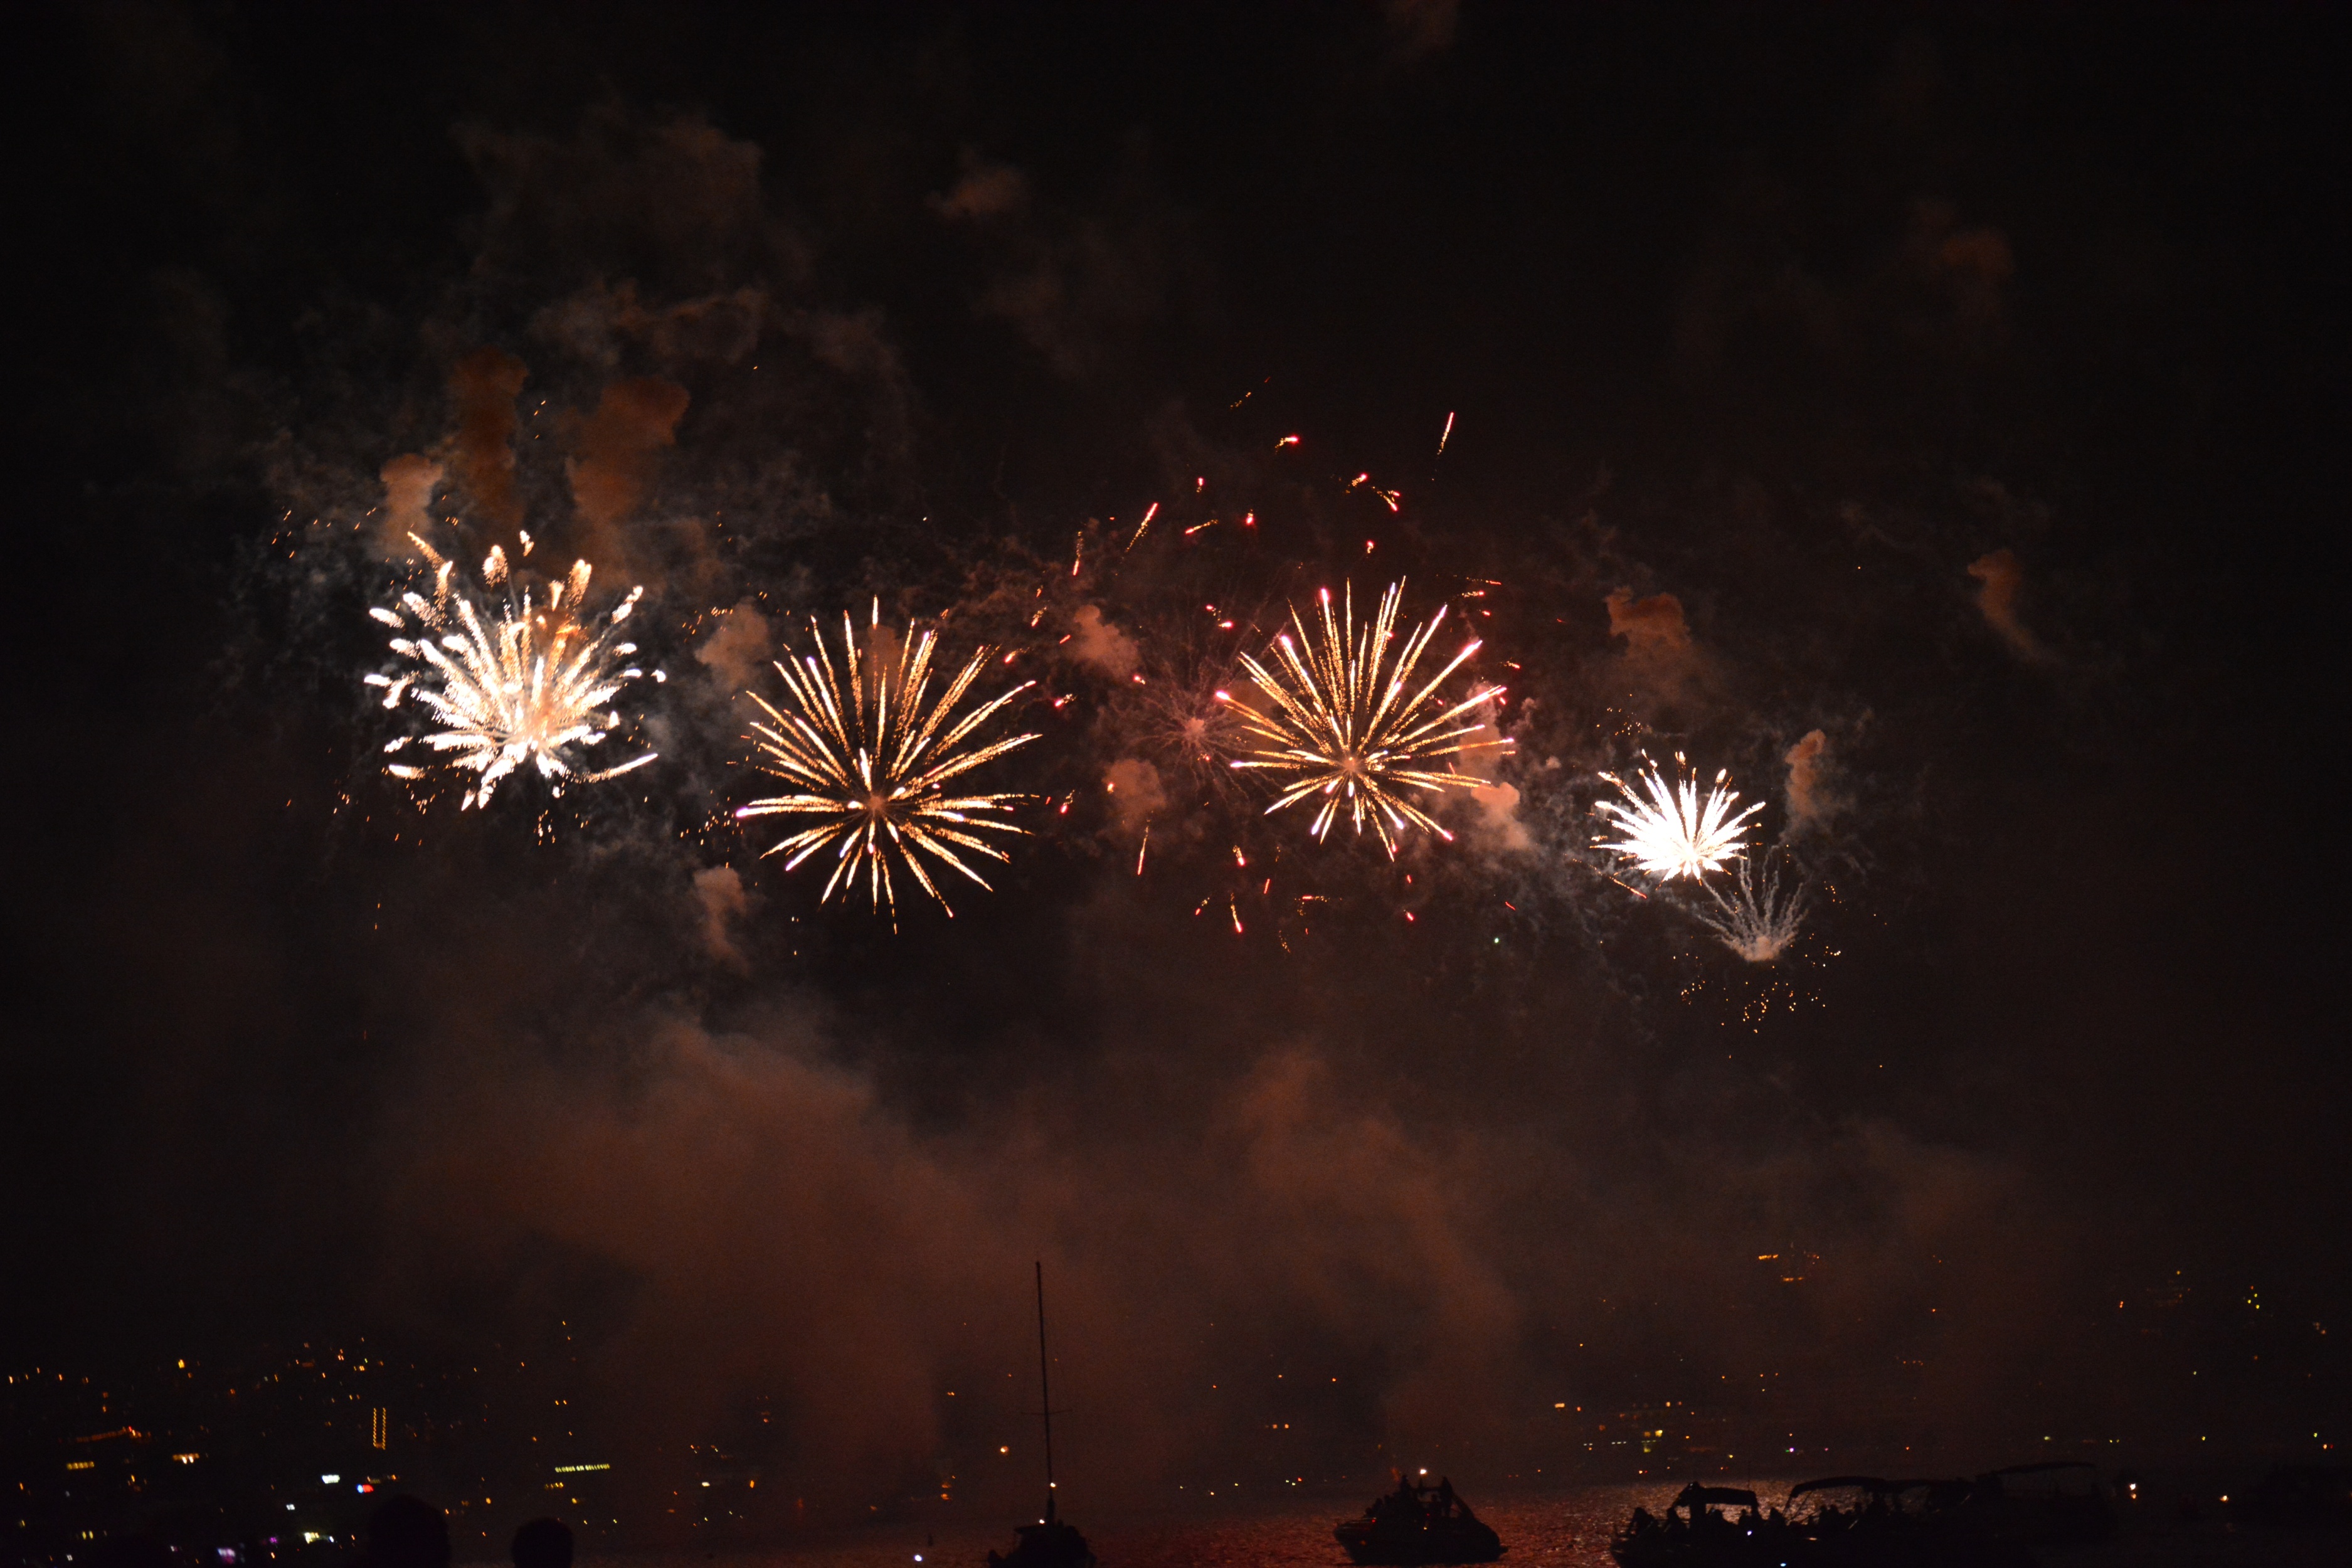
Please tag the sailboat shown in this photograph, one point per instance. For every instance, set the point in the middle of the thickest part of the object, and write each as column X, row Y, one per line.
column 1049, row 1542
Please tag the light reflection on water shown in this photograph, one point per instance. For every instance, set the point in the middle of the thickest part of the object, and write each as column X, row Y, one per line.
column 1564, row 1530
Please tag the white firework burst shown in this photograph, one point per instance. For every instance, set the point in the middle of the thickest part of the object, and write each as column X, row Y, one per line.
column 1673, row 832
column 512, row 674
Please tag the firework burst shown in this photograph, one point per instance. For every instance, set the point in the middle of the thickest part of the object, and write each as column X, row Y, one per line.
column 1674, row 833
column 1180, row 717
column 869, row 750
column 1759, row 920
column 1344, row 726
column 512, row 673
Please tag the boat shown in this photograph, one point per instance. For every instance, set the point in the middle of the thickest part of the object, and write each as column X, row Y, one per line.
column 2056, row 1502
column 1853, row 1521
column 1418, row 1522
column 1700, row 1529
column 1049, row 1542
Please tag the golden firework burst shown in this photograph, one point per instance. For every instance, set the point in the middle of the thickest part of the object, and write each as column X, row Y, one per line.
column 1343, row 725
column 871, row 749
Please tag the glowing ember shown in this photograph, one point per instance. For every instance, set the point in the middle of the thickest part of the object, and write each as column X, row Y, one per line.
column 1342, row 720
column 1674, row 833
column 518, row 676
column 871, row 758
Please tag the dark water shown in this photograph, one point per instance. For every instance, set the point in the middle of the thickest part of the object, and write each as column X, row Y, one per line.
column 1569, row 1528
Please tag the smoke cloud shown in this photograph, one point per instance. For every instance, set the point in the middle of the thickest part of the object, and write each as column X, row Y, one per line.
column 1419, row 28
column 1811, row 803
column 485, row 385
column 1136, row 794
column 2001, row 582
column 724, row 898
column 614, row 451
column 1100, row 645
column 1659, row 654
column 739, row 649
column 409, row 482
column 1498, row 829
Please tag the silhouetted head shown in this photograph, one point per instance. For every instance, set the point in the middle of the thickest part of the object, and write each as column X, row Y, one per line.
column 407, row 1533
column 542, row 1543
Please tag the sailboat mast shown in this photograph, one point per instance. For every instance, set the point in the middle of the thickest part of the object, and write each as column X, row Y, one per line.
column 1045, row 1390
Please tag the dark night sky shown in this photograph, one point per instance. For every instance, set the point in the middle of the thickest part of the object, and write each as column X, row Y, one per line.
column 1790, row 316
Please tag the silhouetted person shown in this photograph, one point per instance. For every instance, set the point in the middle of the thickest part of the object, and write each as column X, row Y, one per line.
column 406, row 1532
column 542, row 1543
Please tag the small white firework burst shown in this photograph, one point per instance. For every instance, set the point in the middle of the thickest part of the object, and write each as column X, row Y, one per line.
column 1760, row 920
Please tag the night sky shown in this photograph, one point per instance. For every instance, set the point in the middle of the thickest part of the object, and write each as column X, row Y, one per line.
column 1964, row 386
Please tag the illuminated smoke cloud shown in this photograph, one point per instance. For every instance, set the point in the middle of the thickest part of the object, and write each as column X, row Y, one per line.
column 2000, row 579
column 1073, row 287
column 724, row 900
column 409, row 481
column 1136, row 794
column 1099, row 645
column 599, row 321
column 1969, row 266
column 1419, row 28
column 1811, row 801
column 738, row 648
column 1651, row 625
column 986, row 190
column 1659, row 653
column 485, row 385
column 1498, row 828
column 614, row 452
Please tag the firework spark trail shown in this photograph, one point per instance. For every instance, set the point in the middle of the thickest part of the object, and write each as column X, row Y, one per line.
column 1674, row 833
column 871, row 759
column 1364, row 480
column 519, row 679
column 1144, row 527
column 1759, row 920
column 1343, row 721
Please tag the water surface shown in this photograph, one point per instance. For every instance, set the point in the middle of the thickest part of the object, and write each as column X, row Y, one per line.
column 1564, row 1530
